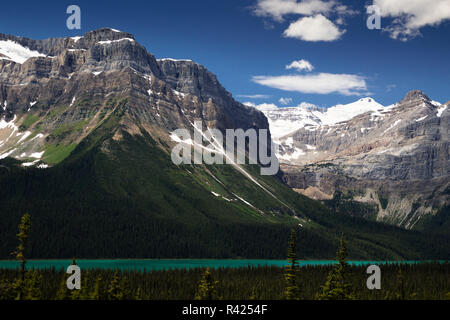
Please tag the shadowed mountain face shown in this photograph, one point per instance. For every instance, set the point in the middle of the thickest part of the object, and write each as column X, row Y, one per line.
column 85, row 142
column 394, row 159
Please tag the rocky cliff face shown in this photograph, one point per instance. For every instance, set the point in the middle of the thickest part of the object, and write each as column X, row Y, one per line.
column 395, row 157
column 54, row 92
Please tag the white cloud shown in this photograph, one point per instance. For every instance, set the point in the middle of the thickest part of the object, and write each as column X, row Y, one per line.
column 285, row 101
column 321, row 83
column 277, row 9
column 254, row 96
column 314, row 23
column 412, row 15
column 316, row 28
column 261, row 106
column 266, row 106
column 300, row 65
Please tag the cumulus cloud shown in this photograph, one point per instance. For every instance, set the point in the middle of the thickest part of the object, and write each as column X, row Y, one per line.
column 285, row 101
column 321, row 83
column 409, row 16
column 300, row 65
column 277, row 9
column 316, row 28
column 271, row 106
column 314, row 23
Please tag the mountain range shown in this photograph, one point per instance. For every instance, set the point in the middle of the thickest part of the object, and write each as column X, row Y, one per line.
column 394, row 158
column 85, row 141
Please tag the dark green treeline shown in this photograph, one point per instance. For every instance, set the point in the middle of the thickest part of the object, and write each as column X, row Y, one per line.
column 341, row 281
column 417, row 281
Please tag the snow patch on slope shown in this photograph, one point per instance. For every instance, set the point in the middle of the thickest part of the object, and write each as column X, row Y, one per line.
column 111, row 41
column 37, row 155
column 440, row 111
column 75, row 39
column 422, row 118
column 174, row 60
column 393, row 125
column 297, row 153
column 14, row 51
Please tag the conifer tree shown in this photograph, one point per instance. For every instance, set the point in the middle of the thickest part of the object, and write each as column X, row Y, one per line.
column 388, row 295
column 17, row 288
column 207, row 289
column 292, row 290
column 336, row 286
column 84, row 292
column 124, row 288
column 20, row 253
column 32, row 286
column 254, row 295
column 401, row 292
column 99, row 290
column 139, row 294
column 7, row 289
column 114, row 287
column 118, row 290
column 63, row 292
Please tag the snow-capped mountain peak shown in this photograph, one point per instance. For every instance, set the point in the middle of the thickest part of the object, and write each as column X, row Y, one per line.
column 345, row 112
column 286, row 120
column 283, row 121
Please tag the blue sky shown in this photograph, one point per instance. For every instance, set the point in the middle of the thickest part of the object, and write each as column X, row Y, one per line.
column 249, row 43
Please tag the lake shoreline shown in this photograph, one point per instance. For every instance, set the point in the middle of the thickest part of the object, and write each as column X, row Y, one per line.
column 168, row 264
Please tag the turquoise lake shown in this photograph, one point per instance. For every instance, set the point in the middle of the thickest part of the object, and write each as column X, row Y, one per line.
column 153, row 264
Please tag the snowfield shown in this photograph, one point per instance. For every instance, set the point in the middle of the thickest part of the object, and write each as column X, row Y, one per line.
column 13, row 51
column 286, row 120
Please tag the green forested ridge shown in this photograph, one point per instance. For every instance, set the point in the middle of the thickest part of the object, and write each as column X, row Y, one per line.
column 343, row 204
column 438, row 224
column 125, row 199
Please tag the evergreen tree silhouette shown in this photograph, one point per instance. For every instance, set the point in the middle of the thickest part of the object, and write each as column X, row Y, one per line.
column 337, row 287
column 207, row 289
column 20, row 253
column 292, row 291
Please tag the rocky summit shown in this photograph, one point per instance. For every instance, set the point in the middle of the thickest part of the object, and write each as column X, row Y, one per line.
column 54, row 92
column 394, row 158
